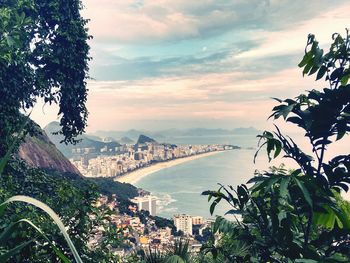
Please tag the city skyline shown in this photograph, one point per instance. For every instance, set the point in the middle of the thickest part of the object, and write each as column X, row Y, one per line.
column 174, row 64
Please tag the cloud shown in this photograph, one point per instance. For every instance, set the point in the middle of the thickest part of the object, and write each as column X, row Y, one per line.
column 259, row 51
column 118, row 68
column 130, row 21
column 223, row 99
column 214, row 63
column 293, row 39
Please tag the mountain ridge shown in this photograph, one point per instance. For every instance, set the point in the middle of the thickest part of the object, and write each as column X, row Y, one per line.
column 162, row 134
column 86, row 141
column 38, row 151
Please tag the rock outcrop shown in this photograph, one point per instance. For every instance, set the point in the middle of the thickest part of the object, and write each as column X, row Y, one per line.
column 39, row 151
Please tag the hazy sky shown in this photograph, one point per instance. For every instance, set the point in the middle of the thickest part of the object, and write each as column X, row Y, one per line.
column 161, row 64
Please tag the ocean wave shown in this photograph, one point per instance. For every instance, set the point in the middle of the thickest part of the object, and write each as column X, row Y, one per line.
column 163, row 201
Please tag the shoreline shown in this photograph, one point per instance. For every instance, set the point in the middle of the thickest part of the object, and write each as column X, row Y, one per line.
column 136, row 175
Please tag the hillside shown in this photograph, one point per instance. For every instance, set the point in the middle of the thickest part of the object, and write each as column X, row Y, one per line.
column 143, row 139
column 39, row 151
column 126, row 140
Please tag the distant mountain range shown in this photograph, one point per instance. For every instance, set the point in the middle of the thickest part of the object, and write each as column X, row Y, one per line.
column 112, row 139
column 87, row 141
column 169, row 133
column 38, row 151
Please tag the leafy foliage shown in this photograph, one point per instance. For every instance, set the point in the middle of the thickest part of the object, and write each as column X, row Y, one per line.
column 178, row 253
column 108, row 186
column 296, row 215
column 35, row 36
column 73, row 200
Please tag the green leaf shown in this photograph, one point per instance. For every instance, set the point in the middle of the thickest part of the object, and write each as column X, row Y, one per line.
column 57, row 251
column 308, row 67
column 284, row 186
column 305, row 260
column 233, row 212
column 4, row 236
column 7, row 157
column 278, row 148
column 344, row 80
column 313, row 70
column 52, row 214
column 212, row 206
column 321, row 72
column 305, row 59
column 175, row 259
column 10, row 41
column 305, row 192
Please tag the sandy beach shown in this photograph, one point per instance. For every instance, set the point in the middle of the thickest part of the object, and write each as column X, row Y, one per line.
column 136, row 175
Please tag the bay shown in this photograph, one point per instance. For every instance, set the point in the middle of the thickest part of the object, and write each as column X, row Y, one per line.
column 179, row 187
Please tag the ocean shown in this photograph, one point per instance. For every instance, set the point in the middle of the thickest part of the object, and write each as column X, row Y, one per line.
column 179, row 188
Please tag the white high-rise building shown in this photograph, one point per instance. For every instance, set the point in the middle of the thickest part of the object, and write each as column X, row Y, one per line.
column 147, row 203
column 183, row 223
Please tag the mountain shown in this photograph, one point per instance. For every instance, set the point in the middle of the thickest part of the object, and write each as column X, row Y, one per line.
column 163, row 135
column 249, row 130
column 206, row 132
column 143, row 139
column 39, row 151
column 107, row 139
column 132, row 134
column 126, row 140
column 87, row 141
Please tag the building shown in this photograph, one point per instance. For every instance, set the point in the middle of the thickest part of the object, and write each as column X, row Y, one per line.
column 147, row 203
column 183, row 223
column 197, row 220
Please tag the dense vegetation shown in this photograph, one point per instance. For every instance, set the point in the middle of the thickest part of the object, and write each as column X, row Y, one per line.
column 34, row 39
column 296, row 215
column 285, row 215
column 290, row 215
column 35, row 36
column 108, row 186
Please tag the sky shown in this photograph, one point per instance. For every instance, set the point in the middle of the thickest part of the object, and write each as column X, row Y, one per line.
column 160, row 64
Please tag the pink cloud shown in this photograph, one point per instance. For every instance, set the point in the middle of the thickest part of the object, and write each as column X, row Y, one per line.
column 213, row 96
column 117, row 20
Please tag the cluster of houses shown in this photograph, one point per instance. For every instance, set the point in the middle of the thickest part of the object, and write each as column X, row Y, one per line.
column 131, row 157
column 143, row 233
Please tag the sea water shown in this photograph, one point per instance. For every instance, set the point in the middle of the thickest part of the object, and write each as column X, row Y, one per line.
column 179, row 187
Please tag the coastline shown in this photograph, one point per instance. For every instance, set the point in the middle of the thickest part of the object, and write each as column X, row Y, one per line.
column 134, row 176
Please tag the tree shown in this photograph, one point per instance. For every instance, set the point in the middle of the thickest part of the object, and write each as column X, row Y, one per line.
column 297, row 215
column 43, row 53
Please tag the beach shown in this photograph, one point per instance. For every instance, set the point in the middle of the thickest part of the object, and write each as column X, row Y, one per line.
column 136, row 175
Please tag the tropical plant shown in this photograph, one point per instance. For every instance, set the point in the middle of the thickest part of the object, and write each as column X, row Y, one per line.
column 34, row 63
column 9, row 229
column 179, row 252
column 73, row 200
column 297, row 215
column 35, row 36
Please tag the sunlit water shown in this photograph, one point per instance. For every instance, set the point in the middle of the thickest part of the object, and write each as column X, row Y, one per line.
column 179, row 187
